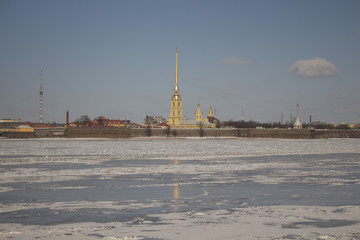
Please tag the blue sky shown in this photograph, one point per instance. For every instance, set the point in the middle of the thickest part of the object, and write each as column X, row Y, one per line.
column 117, row 58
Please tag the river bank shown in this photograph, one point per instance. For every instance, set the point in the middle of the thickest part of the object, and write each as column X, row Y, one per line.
column 105, row 132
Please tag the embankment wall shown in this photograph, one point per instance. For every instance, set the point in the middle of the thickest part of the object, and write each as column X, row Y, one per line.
column 101, row 132
column 249, row 133
column 214, row 132
column 104, row 132
column 18, row 134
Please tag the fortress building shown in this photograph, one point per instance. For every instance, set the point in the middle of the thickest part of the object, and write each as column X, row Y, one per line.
column 199, row 120
column 175, row 117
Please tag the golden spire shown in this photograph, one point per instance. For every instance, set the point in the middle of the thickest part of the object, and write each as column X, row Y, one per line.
column 176, row 72
column 176, row 88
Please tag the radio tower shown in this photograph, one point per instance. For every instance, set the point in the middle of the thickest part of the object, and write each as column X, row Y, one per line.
column 41, row 97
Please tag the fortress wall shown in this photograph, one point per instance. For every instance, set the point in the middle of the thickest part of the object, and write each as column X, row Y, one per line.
column 281, row 133
column 18, row 134
column 214, row 132
column 102, row 132
column 337, row 133
column 183, row 132
column 207, row 132
column 248, row 133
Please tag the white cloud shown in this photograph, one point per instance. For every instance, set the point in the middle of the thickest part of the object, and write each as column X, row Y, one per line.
column 235, row 60
column 316, row 67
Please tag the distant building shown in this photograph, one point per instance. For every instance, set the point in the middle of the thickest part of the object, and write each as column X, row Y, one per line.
column 175, row 117
column 153, row 120
column 104, row 122
column 298, row 124
column 344, row 125
column 115, row 123
column 40, row 125
column 10, row 120
column 163, row 125
column 212, row 119
column 199, row 120
column 14, row 125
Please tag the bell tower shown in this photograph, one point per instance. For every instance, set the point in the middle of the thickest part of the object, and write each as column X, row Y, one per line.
column 199, row 113
column 211, row 113
column 175, row 116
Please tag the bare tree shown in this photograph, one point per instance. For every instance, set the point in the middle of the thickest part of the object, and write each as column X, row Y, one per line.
column 84, row 120
column 148, row 131
column 167, row 131
column 201, row 130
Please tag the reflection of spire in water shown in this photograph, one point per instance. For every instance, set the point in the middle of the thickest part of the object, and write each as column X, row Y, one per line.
column 176, row 190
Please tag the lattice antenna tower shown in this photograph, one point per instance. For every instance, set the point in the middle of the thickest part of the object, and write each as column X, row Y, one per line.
column 41, row 98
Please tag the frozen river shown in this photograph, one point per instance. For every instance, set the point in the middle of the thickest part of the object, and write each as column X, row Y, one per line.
column 179, row 189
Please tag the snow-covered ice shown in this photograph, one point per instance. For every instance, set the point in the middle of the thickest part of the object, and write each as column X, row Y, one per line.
column 179, row 189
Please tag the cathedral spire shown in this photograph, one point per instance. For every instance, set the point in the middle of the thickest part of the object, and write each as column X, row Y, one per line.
column 176, row 72
column 175, row 116
column 176, row 88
